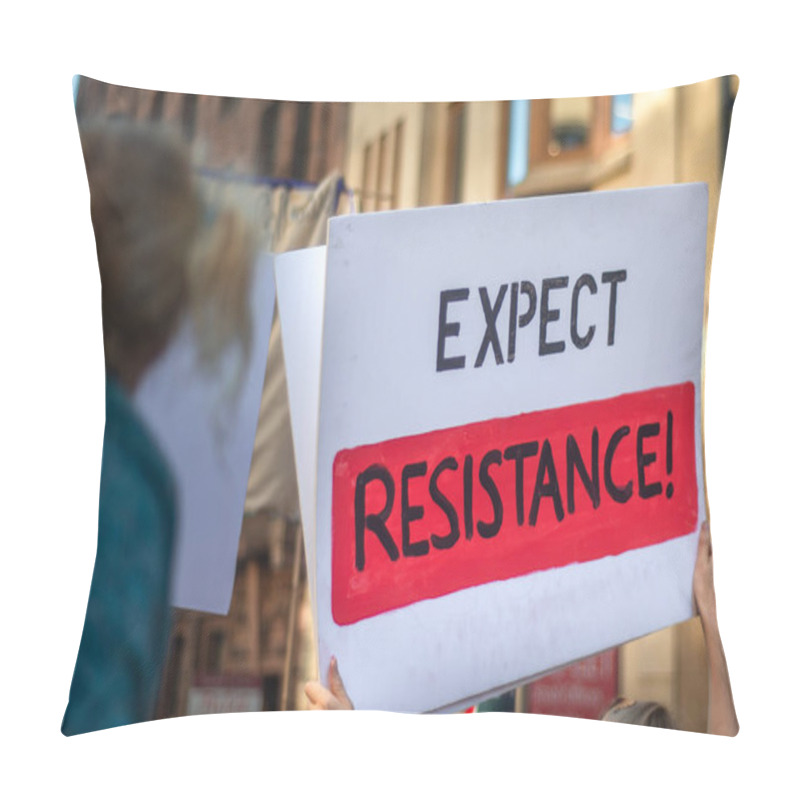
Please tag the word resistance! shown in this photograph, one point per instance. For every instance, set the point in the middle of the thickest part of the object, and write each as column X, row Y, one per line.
column 547, row 485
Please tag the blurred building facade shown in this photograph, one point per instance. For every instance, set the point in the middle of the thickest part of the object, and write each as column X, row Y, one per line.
column 265, row 642
column 406, row 155
column 242, row 136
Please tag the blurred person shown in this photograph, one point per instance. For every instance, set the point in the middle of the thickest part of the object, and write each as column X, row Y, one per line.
column 721, row 712
column 162, row 255
column 637, row 712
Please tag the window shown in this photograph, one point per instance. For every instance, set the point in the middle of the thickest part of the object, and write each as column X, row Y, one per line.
column 271, row 685
column 383, row 198
column 454, row 172
column 172, row 676
column 518, row 132
column 397, row 163
column 369, row 179
column 216, row 640
column 565, row 144
column 157, row 109
column 380, row 170
column 189, row 116
column 227, row 105
column 302, row 142
column 268, row 140
column 621, row 113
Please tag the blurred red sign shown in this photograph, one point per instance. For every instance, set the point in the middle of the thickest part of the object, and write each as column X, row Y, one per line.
column 584, row 689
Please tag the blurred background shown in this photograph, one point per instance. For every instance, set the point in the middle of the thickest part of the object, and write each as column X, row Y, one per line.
column 293, row 165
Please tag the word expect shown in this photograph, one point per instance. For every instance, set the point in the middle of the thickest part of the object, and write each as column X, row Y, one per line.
column 580, row 336
column 426, row 515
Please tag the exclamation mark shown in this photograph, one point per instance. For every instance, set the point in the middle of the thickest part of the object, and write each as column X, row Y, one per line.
column 670, row 488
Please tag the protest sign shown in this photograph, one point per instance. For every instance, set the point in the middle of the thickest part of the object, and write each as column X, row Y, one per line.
column 205, row 423
column 300, row 285
column 508, row 469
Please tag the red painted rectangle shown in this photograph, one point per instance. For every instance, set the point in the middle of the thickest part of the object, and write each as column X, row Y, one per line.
column 422, row 516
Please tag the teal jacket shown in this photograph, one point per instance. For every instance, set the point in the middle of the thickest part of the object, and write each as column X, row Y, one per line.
column 119, row 665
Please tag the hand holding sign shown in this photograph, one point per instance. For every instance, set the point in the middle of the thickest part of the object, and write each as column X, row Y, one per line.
column 703, row 579
column 721, row 711
column 334, row 698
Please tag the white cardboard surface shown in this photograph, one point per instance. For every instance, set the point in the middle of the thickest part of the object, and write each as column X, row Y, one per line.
column 385, row 273
column 207, row 439
column 300, row 284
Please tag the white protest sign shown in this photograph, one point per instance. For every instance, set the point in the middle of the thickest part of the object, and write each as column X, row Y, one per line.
column 509, row 474
column 205, row 424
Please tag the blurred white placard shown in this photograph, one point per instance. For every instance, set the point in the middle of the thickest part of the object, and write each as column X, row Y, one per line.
column 300, row 283
column 205, row 424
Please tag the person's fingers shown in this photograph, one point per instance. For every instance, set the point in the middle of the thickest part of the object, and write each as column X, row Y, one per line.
column 311, row 690
column 705, row 540
column 334, row 678
column 704, row 601
column 318, row 696
column 336, row 683
column 703, row 546
column 334, row 698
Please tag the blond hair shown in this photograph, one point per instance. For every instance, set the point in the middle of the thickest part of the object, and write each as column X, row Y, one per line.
column 160, row 251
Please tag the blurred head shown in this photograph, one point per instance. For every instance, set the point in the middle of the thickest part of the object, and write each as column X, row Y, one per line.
column 634, row 712
column 160, row 252
column 146, row 214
